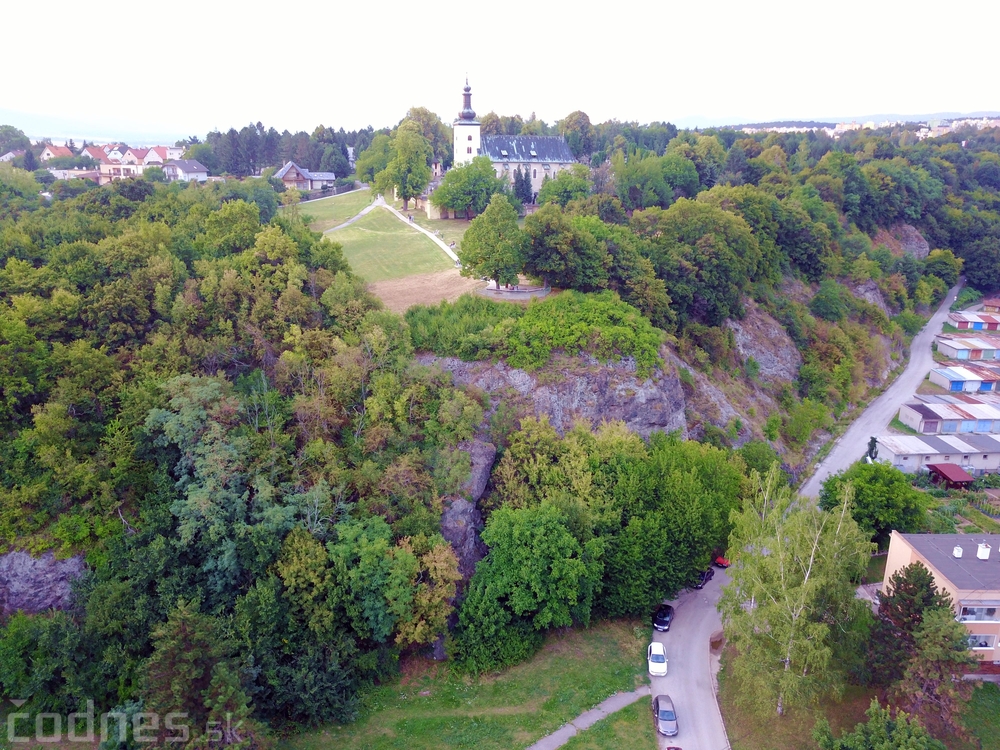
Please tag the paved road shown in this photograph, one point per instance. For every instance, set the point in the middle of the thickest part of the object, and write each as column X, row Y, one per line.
column 852, row 444
column 690, row 679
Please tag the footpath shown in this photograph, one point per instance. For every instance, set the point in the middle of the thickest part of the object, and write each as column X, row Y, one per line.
column 587, row 719
column 379, row 202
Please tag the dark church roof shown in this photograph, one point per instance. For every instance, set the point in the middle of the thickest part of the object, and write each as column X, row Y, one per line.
column 527, row 148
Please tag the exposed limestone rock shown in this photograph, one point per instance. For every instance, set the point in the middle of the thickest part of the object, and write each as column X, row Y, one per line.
column 579, row 388
column 460, row 525
column 36, row 584
column 912, row 241
column 760, row 336
column 870, row 292
column 483, row 455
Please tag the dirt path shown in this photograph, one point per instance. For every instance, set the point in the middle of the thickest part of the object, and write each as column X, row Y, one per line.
column 873, row 420
column 399, row 295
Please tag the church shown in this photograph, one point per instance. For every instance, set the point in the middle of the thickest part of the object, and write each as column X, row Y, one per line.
column 540, row 155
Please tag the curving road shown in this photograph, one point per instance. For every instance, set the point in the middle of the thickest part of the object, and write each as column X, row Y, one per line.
column 852, row 444
column 690, row 679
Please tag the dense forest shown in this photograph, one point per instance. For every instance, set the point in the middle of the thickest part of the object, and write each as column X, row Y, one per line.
column 198, row 394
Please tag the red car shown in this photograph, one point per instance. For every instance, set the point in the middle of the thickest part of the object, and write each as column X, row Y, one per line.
column 721, row 562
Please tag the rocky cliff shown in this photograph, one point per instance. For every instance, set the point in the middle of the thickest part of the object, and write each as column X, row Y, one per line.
column 579, row 388
column 36, row 584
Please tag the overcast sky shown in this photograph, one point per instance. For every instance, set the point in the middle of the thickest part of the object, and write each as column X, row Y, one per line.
column 184, row 67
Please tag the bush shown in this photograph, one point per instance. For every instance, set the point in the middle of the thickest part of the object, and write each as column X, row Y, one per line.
column 968, row 296
column 910, row 322
column 829, row 302
column 803, row 419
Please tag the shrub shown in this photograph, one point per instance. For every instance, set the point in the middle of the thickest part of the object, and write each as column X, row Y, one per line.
column 910, row 322
column 829, row 302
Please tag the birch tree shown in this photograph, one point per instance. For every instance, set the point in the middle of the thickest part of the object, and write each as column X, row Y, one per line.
column 791, row 595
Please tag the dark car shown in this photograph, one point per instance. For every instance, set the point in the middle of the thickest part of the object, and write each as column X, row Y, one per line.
column 704, row 577
column 663, row 617
column 664, row 718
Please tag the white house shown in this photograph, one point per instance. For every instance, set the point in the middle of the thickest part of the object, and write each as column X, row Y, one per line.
column 11, row 155
column 185, row 170
column 53, row 152
column 300, row 178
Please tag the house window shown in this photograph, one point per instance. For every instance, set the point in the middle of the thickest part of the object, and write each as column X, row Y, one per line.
column 906, row 458
column 927, row 458
column 979, row 614
column 965, row 458
column 947, row 458
column 981, row 641
column 985, row 457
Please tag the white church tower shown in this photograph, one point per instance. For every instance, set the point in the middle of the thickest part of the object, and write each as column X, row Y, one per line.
column 468, row 141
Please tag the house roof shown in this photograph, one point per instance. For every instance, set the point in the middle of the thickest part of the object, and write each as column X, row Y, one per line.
column 139, row 153
column 939, row 445
column 289, row 167
column 992, row 301
column 187, row 165
column 280, row 174
column 94, row 152
column 58, row 151
column 962, row 341
column 160, row 151
column 973, row 317
column 952, row 472
column 967, row 572
column 527, row 148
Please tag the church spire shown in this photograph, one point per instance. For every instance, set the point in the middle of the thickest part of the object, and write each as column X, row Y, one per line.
column 467, row 113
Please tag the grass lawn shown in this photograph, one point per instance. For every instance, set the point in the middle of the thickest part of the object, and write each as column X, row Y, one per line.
column 904, row 428
column 433, row 709
column 379, row 246
column 449, row 230
column 329, row 212
column 982, row 718
column 631, row 728
column 876, row 568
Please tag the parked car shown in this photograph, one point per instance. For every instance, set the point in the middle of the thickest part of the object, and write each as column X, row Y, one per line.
column 656, row 657
column 664, row 718
column 721, row 562
column 704, row 577
column 662, row 618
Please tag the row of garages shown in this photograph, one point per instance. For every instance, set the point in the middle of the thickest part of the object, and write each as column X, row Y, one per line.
column 976, row 454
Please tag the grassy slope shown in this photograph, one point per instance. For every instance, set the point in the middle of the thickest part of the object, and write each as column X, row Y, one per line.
column 631, row 728
column 379, row 246
column 329, row 212
column 433, row 709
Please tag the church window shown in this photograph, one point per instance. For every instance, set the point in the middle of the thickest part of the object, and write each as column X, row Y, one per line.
column 470, row 137
column 533, row 153
column 469, row 150
column 534, row 173
column 503, row 152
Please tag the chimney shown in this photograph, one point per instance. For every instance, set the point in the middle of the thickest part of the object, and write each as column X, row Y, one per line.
column 984, row 551
column 957, row 552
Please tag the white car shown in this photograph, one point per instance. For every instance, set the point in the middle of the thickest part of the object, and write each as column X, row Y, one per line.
column 656, row 656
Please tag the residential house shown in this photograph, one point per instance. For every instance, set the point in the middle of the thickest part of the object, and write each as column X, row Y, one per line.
column 991, row 305
column 185, row 170
column 974, row 321
column 135, row 156
column 540, row 155
column 976, row 454
column 76, row 174
column 11, row 155
column 113, row 170
column 96, row 153
column 967, row 568
column 115, row 151
column 958, row 346
column 160, row 155
column 53, row 152
column 294, row 176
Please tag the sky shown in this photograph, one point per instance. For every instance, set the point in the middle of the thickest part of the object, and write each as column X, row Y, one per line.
column 163, row 70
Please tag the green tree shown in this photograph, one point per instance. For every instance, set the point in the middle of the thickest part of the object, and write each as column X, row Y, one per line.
column 406, row 171
column 561, row 254
column 579, row 133
column 881, row 732
column 908, row 596
column 536, row 576
column 12, row 139
column 374, row 159
column 469, row 187
column 791, row 594
column 522, row 186
column 829, row 302
column 944, row 265
column 569, row 184
column 883, row 499
column 493, row 246
column 438, row 134
column 932, row 688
